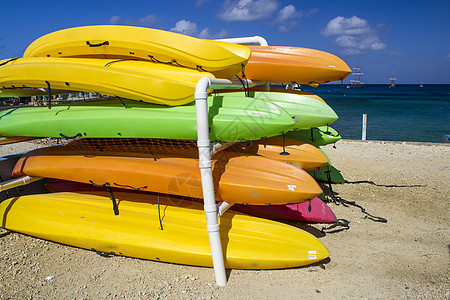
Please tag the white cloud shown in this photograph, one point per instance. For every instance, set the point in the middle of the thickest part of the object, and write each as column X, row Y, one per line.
column 288, row 12
column 206, row 34
column 311, row 12
column 397, row 53
column 287, row 17
column 247, row 10
column 344, row 26
column 200, row 2
column 185, row 27
column 353, row 34
column 190, row 28
column 150, row 20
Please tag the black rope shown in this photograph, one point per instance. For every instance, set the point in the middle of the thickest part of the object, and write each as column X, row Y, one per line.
column 243, row 85
column 149, row 149
column 8, row 61
column 159, row 216
column 123, row 103
column 172, row 62
column 201, row 68
column 118, row 60
column 338, row 226
column 160, row 61
column 49, row 91
column 338, row 201
column 245, row 78
column 107, row 186
column 284, row 149
column 103, row 254
column 131, row 187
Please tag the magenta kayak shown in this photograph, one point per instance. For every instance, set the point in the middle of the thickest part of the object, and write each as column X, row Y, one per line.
column 314, row 210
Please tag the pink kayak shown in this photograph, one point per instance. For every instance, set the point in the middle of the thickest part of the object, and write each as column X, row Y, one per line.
column 314, row 210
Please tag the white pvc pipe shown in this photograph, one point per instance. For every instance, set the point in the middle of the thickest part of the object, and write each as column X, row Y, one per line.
column 364, row 127
column 6, row 185
column 205, row 164
column 246, row 40
column 223, row 207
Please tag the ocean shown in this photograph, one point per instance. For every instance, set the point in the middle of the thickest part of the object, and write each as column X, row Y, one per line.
column 403, row 113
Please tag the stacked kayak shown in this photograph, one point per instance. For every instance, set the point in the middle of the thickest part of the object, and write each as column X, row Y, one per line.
column 86, row 220
column 128, row 181
column 229, row 120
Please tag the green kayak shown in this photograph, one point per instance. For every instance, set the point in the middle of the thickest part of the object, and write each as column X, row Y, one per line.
column 230, row 120
column 309, row 110
column 327, row 170
column 320, row 136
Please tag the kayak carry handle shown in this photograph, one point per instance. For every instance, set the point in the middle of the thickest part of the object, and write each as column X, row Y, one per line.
column 105, row 43
column 70, row 137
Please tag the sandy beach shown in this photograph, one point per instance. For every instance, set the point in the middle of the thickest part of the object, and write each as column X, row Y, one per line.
column 406, row 257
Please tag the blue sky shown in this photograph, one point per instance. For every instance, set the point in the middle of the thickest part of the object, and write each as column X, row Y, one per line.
column 410, row 38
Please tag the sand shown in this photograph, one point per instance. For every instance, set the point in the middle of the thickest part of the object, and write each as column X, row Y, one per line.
column 406, row 257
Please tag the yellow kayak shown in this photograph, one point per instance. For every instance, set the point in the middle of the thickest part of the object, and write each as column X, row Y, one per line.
column 224, row 60
column 131, row 79
column 88, row 221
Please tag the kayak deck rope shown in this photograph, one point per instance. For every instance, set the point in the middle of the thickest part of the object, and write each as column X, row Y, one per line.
column 49, row 90
column 174, row 62
column 139, row 189
column 107, row 186
column 159, row 216
column 70, row 137
column 8, row 61
column 123, row 103
column 244, row 81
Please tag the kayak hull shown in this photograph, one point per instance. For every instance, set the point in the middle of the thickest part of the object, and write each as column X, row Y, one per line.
column 130, row 42
column 238, row 178
column 313, row 211
column 179, row 235
column 230, row 120
column 130, row 79
column 294, row 65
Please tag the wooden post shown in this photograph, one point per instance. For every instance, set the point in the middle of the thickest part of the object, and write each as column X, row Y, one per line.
column 364, row 127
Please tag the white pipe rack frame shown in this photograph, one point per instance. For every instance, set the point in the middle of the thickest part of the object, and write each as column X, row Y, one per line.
column 6, row 185
column 252, row 40
column 212, row 211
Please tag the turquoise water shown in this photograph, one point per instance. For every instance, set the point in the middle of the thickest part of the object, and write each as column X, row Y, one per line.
column 403, row 113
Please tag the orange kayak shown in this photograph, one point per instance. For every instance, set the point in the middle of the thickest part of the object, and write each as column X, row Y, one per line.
column 294, row 65
column 238, row 178
column 300, row 154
